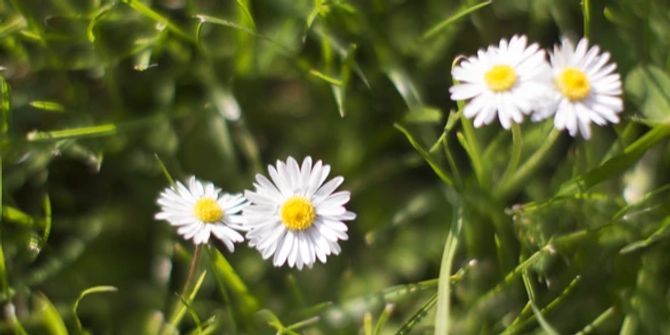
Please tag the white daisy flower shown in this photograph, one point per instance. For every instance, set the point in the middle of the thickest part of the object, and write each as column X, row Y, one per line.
column 296, row 217
column 507, row 81
column 200, row 210
column 585, row 89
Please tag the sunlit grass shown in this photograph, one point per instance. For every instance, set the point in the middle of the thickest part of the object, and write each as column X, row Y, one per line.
column 460, row 230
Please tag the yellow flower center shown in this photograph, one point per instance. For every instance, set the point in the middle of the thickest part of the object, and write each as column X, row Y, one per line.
column 297, row 213
column 500, row 78
column 207, row 210
column 574, row 84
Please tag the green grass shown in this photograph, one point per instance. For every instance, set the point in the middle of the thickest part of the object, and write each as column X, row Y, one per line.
column 464, row 230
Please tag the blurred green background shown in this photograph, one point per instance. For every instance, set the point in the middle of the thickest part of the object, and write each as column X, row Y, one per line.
column 94, row 91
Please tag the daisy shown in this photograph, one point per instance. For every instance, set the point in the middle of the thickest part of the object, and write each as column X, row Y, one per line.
column 200, row 210
column 586, row 89
column 296, row 216
column 507, row 81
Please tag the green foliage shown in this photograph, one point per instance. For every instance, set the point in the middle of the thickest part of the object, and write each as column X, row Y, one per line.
column 103, row 103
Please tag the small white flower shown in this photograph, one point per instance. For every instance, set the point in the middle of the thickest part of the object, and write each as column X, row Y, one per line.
column 296, row 216
column 508, row 81
column 585, row 89
column 199, row 210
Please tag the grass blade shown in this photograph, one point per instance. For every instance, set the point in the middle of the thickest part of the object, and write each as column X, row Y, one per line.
column 548, row 329
column 657, row 235
column 325, row 77
column 442, row 323
column 93, row 131
column 17, row 216
column 96, row 17
column 608, row 313
column 629, row 326
column 4, row 283
column 418, row 316
column 47, row 219
column 50, row 316
column 243, row 5
column 302, row 324
column 517, row 145
column 155, row 16
column 383, row 317
column 84, row 293
column 225, row 23
column 49, row 106
column 191, row 311
column 426, row 156
column 586, row 11
column 5, row 105
column 445, row 23
column 518, row 325
column 165, row 171
column 518, row 270
column 531, row 164
column 228, row 278
column 179, row 313
column 617, row 164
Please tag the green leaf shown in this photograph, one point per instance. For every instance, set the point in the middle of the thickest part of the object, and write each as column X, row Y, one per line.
column 12, row 25
column 320, row 8
column 4, row 283
column 50, row 317
column 164, row 169
column 383, row 317
column 404, row 84
column 191, row 311
column 157, row 17
column 96, row 17
column 657, row 235
column 588, row 329
column 5, row 105
column 17, row 216
column 90, row 290
column 202, row 18
column 243, row 5
column 586, row 12
column 325, row 77
column 548, row 329
column 181, row 310
column 446, row 22
column 93, row 131
column 47, row 219
column 649, row 88
column 49, row 106
column 426, row 156
column 518, row 325
column 273, row 321
column 442, row 322
column 617, row 164
column 418, row 316
column 301, row 324
column 424, row 114
column 227, row 277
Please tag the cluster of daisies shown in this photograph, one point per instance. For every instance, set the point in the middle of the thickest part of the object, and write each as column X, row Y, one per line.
column 577, row 86
column 295, row 216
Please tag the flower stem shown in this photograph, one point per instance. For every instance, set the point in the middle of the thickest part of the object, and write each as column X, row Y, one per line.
column 529, row 166
column 586, row 11
column 192, row 267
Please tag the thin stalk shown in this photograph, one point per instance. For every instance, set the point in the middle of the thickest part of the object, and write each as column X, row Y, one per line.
column 517, row 145
column 586, row 10
column 531, row 164
column 191, row 269
column 442, row 323
column 598, row 321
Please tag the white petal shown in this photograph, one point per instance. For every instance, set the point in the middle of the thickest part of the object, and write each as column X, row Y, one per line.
column 284, row 249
